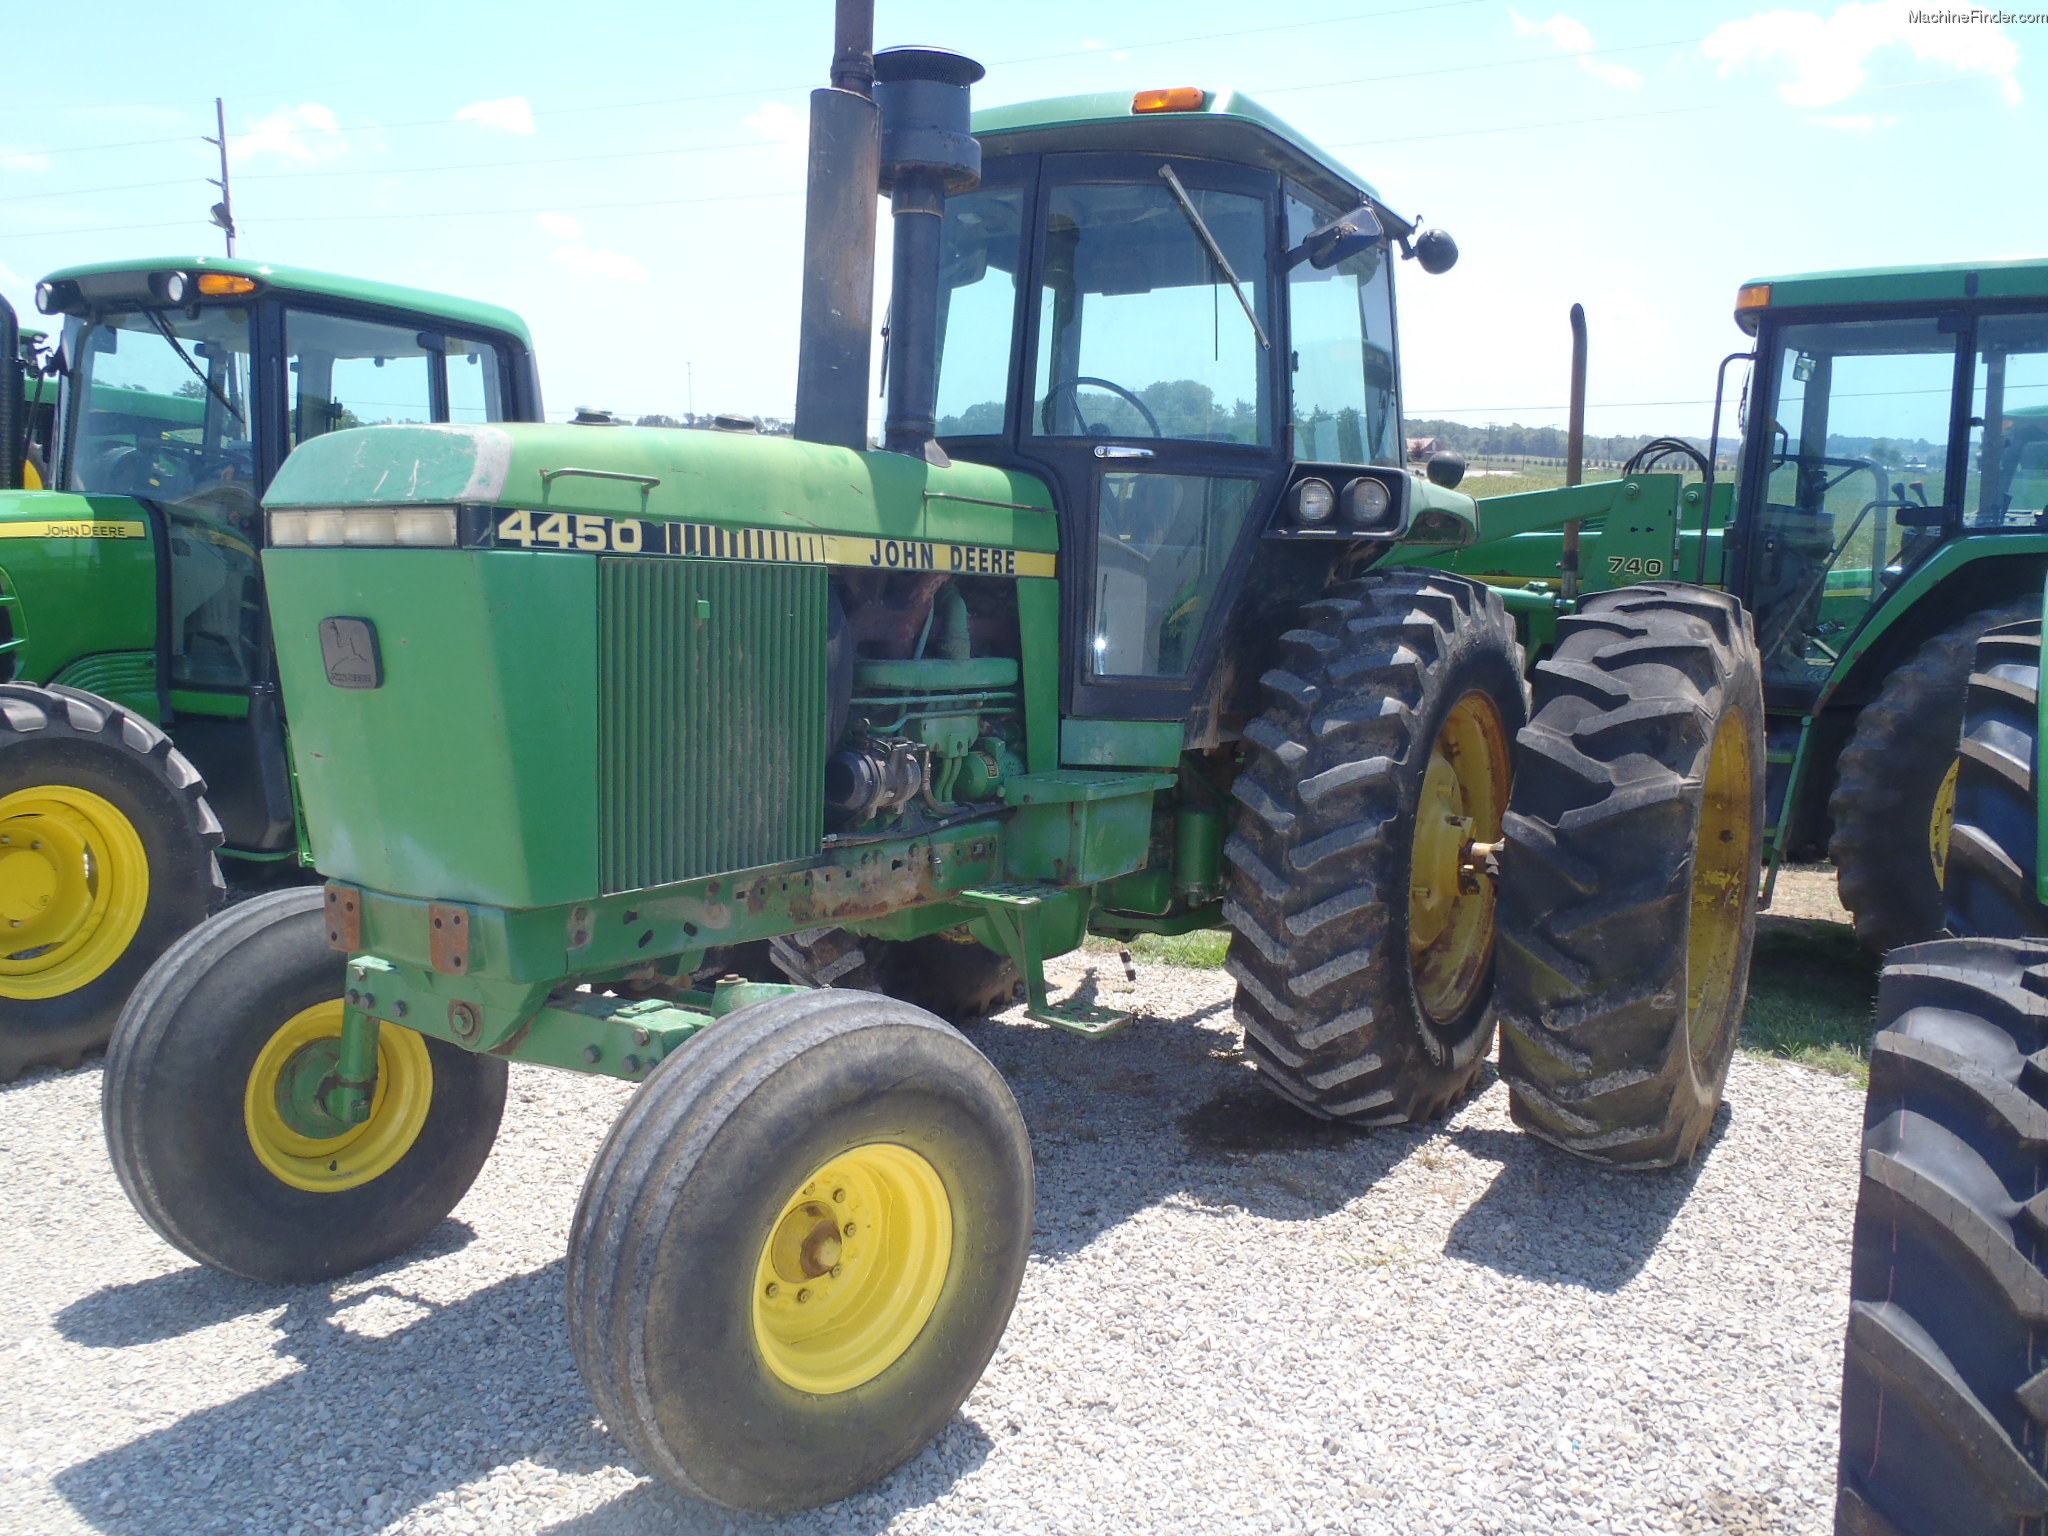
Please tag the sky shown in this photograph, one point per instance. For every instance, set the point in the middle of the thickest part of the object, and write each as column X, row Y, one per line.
column 630, row 178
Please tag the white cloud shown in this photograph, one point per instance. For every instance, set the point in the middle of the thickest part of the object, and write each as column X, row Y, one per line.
column 1570, row 35
column 589, row 260
column 509, row 114
column 1830, row 55
column 307, row 133
column 23, row 160
column 778, row 121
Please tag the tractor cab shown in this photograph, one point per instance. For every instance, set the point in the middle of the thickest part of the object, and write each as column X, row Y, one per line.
column 1892, row 414
column 1179, row 314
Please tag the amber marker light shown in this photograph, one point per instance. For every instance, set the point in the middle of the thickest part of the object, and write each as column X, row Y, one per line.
column 220, row 285
column 1179, row 98
column 1748, row 296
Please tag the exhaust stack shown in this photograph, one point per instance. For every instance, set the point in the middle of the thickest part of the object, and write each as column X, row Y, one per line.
column 839, row 239
column 928, row 151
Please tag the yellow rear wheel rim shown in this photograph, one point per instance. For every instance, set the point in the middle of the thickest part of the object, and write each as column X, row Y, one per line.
column 1942, row 822
column 74, row 884
column 330, row 1164
column 1723, row 878
column 1450, row 894
column 852, row 1268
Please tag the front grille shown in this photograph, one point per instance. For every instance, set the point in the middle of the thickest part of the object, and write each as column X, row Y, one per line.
column 711, row 717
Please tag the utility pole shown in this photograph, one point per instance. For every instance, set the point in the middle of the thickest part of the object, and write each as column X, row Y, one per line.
column 224, row 210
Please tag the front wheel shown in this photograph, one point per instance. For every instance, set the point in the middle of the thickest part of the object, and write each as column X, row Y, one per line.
column 1629, row 884
column 799, row 1248
column 207, row 1078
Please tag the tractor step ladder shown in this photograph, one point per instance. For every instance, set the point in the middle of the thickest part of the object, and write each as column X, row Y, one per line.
column 1012, row 909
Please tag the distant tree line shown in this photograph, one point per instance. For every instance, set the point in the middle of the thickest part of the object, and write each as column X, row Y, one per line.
column 1515, row 441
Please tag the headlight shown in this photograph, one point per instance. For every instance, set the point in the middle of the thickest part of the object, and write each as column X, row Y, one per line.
column 1366, row 501
column 1314, row 501
column 368, row 527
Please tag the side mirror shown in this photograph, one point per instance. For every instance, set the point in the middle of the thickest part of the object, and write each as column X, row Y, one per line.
column 1445, row 468
column 1437, row 251
column 1338, row 241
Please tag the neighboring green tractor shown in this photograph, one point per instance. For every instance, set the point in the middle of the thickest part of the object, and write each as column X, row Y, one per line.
column 1891, row 506
column 1113, row 636
column 1945, row 1382
column 140, row 728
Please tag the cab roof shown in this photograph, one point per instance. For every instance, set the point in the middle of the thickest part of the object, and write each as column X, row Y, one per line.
column 1955, row 280
column 1228, row 125
column 467, row 313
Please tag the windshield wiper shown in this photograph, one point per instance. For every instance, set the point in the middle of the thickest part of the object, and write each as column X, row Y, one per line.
column 1194, row 218
column 157, row 320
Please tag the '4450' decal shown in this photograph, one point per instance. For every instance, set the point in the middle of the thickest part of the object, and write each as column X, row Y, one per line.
column 714, row 541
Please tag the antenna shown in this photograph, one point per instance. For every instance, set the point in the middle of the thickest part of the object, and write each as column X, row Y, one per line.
column 223, row 212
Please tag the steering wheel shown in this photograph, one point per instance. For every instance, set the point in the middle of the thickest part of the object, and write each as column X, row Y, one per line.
column 1073, row 387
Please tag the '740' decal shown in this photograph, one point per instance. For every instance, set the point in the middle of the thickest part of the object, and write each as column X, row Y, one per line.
column 1635, row 565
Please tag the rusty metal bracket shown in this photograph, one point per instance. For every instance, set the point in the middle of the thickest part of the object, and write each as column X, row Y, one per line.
column 448, row 943
column 344, row 919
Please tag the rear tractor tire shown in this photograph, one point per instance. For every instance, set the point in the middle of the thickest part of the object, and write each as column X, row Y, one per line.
column 1629, row 884
column 201, row 1127
column 1993, row 850
column 799, row 1248
column 1896, row 777
column 950, row 974
column 1360, row 892
column 1944, row 1399
column 106, row 857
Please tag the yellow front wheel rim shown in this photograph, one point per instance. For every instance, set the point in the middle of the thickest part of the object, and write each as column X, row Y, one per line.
column 1723, row 879
column 1942, row 822
column 852, row 1268
column 398, row 1109
column 74, row 884
column 1450, row 892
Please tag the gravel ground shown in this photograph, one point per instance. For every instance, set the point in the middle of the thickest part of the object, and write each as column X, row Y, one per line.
column 1235, row 1320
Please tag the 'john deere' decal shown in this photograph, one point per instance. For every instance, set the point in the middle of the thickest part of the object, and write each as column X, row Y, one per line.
column 712, row 541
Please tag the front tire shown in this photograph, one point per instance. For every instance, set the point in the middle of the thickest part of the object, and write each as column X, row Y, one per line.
column 1944, row 1404
column 1360, row 907
column 106, row 857
column 799, row 1248
column 1892, row 783
column 196, row 1118
column 1992, row 888
column 1629, row 884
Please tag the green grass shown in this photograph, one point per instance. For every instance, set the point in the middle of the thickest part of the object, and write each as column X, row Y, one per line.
column 1812, row 988
column 1812, row 992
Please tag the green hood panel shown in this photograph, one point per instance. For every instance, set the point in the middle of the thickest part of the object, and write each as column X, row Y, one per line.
column 737, row 479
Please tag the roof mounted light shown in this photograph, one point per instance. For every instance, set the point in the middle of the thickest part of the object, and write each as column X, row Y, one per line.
column 221, row 285
column 170, row 287
column 1178, row 98
column 1752, row 296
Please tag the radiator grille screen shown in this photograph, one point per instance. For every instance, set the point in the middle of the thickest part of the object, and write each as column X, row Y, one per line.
column 711, row 717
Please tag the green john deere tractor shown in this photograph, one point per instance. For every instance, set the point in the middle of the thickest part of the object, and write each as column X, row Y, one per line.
column 1116, row 634
column 1876, row 528
column 141, row 736
column 1943, row 1402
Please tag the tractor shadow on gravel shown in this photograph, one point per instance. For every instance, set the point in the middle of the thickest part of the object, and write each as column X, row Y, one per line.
column 399, row 1402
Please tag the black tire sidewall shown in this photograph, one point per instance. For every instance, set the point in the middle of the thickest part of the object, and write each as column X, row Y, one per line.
column 187, row 1052
column 745, row 1437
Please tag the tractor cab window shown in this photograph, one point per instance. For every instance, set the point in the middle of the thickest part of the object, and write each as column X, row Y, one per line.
column 1345, row 407
column 1855, row 446
column 166, row 414
column 476, row 385
column 979, row 253
column 357, row 373
column 2008, row 454
column 1140, row 334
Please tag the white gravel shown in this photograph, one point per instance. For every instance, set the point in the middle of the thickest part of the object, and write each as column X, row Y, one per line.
column 1234, row 1320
